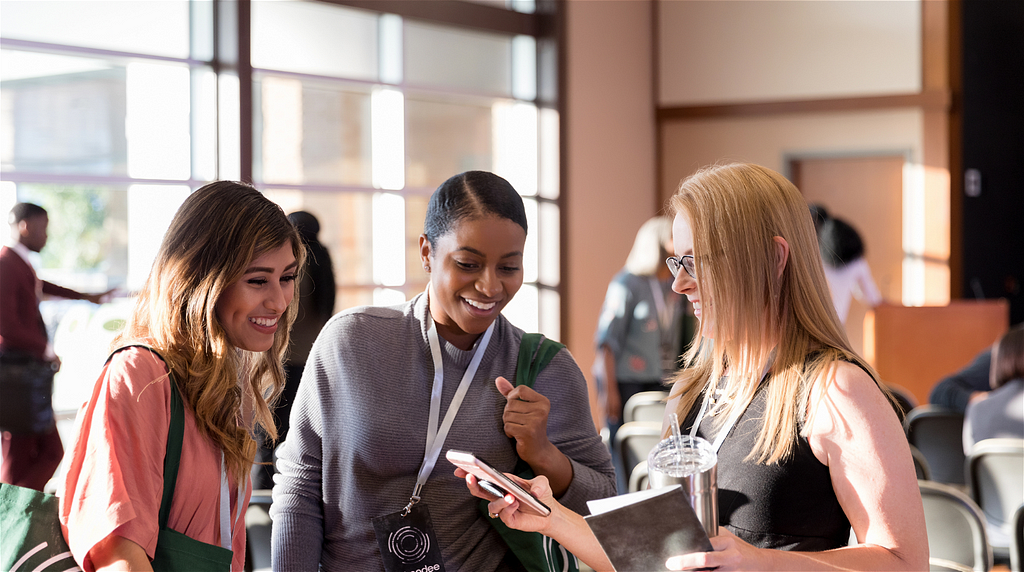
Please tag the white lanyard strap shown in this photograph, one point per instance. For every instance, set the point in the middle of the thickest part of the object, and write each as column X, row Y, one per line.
column 225, row 515
column 436, row 435
column 725, row 429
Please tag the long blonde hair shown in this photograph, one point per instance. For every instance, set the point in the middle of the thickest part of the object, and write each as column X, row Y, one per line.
column 735, row 211
column 648, row 253
column 218, row 231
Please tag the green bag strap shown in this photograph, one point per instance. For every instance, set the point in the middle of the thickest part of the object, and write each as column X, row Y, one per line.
column 535, row 353
column 175, row 437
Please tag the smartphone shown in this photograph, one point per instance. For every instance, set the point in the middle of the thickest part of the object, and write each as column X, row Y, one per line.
column 497, row 480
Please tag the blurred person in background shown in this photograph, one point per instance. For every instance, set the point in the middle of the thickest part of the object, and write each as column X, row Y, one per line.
column 316, row 306
column 640, row 328
column 31, row 446
column 999, row 413
column 847, row 271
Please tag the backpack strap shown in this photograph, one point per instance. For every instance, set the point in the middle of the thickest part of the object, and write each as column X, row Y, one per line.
column 535, row 353
column 175, row 437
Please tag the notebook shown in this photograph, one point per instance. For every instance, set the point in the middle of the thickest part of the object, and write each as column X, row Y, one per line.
column 640, row 531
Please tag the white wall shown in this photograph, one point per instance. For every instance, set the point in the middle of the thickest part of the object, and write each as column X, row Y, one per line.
column 725, row 51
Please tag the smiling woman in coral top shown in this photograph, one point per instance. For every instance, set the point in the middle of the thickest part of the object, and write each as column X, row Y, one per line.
column 215, row 312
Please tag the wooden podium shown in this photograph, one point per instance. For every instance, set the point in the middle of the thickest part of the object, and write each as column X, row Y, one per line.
column 915, row 347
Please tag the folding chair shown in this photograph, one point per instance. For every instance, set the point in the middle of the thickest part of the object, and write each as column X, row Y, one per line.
column 638, row 479
column 956, row 529
column 1017, row 541
column 646, row 406
column 995, row 477
column 938, row 433
column 634, row 442
column 257, row 532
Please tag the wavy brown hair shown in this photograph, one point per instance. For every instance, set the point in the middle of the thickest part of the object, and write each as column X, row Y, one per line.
column 218, row 231
column 735, row 211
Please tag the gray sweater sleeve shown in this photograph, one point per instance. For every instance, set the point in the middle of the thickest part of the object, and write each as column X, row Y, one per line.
column 298, row 532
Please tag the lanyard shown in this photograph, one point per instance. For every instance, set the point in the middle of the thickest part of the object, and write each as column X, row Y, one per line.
column 225, row 517
column 724, row 431
column 436, row 435
column 664, row 312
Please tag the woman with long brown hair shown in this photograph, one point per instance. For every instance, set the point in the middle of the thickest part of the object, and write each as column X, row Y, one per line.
column 809, row 445
column 210, row 325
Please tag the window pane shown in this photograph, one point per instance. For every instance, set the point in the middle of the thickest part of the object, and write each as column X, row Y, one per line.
column 415, row 215
column 157, row 123
column 150, row 210
column 87, row 248
column 346, row 230
column 548, row 253
column 522, row 310
column 444, row 138
column 310, row 132
column 550, row 314
column 455, row 58
column 530, row 250
column 157, row 28
column 548, row 141
column 314, row 38
column 63, row 114
column 515, row 145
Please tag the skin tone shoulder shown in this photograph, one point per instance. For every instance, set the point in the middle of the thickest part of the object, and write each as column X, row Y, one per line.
column 249, row 311
column 475, row 271
column 854, row 433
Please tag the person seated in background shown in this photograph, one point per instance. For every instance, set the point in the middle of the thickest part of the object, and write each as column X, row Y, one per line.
column 999, row 413
column 816, row 448
column 955, row 391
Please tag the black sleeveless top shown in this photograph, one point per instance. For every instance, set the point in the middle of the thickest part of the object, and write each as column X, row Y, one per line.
column 787, row 506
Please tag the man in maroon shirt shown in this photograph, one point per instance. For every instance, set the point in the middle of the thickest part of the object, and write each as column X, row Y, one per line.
column 29, row 458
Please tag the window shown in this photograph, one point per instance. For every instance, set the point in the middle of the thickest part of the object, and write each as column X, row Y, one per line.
column 113, row 112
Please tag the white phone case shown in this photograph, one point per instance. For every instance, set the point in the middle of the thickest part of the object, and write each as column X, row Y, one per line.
column 483, row 471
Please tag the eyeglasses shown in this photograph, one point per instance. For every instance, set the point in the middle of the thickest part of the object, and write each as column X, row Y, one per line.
column 685, row 262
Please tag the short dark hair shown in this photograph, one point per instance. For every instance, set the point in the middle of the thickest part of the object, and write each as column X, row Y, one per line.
column 22, row 211
column 839, row 242
column 468, row 195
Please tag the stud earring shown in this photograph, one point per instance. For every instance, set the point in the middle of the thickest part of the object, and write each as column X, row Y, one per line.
column 426, row 267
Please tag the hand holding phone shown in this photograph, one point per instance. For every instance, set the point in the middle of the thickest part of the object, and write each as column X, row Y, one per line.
column 496, row 480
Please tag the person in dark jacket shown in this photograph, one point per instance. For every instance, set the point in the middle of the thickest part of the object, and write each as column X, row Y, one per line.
column 316, row 306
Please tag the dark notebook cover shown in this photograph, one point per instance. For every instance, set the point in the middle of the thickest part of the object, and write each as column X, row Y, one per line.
column 641, row 536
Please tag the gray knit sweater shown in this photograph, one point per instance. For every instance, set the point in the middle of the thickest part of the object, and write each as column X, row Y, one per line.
column 358, row 430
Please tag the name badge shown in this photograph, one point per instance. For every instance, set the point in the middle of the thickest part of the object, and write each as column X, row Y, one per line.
column 408, row 543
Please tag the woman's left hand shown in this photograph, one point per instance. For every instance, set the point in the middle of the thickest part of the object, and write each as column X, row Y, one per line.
column 526, row 419
column 731, row 553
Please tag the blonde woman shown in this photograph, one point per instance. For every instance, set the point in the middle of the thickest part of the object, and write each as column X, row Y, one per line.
column 640, row 328
column 810, row 444
column 216, row 308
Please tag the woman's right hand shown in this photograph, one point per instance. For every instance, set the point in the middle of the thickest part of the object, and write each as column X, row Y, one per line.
column 507, row 507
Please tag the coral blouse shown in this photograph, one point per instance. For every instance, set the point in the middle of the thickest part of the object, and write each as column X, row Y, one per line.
column 114, row 482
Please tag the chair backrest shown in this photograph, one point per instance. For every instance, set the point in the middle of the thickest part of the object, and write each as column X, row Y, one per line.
column 639, row 478
column 956, row 528
column 938, row 433
column 924, row 473
column 1017, row 541
column 995, row 476
column 634, row 442
column 257, row 531
column 646, row 406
